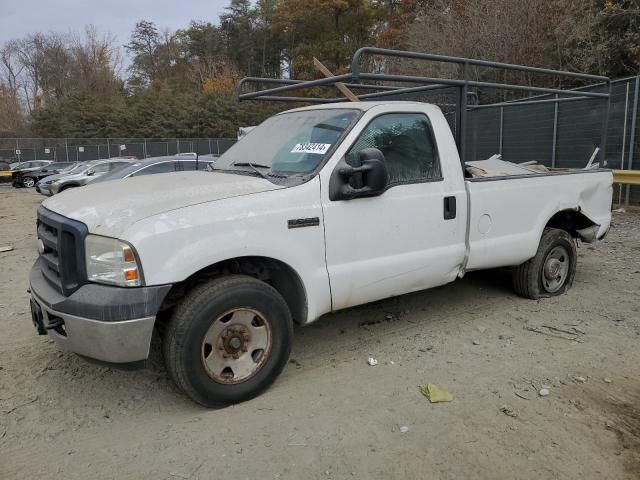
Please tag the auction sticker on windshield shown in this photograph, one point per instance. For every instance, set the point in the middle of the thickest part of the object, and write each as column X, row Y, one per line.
column 320, row 148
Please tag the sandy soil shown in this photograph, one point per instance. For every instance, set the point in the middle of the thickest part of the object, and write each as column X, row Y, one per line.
column 331, row 415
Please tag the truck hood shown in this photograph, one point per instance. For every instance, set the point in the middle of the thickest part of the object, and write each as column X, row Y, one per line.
column 109, row 208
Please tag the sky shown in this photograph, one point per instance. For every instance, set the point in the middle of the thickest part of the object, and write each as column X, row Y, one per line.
column 22, row 17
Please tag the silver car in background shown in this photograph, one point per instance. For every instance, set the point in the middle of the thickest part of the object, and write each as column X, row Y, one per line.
column 95, row 169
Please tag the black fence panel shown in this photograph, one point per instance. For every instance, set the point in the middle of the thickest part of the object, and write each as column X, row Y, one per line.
column 563, row 135
column 83, row 149
column 483, row 138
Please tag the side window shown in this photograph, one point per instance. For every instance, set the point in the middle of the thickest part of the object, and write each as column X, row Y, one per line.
column 164, row 167
column 101, row 168
column 116, row 165
column 407, row 143
column 189, row 165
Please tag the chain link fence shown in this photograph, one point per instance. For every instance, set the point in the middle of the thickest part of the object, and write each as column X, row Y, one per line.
column 563, row 135
column 83, row 149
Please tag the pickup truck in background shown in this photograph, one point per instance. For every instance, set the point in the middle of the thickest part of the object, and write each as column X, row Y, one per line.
column 317, row 209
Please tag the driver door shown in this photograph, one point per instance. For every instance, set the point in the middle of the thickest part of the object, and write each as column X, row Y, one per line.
column 399, row 241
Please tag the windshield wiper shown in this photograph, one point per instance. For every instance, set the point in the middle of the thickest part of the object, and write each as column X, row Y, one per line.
column 253, row 166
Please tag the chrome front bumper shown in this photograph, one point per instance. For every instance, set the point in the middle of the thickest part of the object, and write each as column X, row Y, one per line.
column 116, row 342
column 112, row 324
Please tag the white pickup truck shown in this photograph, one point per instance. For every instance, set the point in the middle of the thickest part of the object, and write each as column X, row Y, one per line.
column 317, row 209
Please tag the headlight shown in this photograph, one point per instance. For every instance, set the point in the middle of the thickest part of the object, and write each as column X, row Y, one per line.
column 111, row 261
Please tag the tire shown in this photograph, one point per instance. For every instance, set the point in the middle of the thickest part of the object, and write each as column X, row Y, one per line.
column 551, row 271
column 234, row 320
column 67, row 187
column 28, row 182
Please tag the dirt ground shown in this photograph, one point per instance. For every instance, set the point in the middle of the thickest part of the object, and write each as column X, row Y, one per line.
column 331, row 415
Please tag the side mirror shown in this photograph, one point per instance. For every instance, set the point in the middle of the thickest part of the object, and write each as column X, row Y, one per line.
column 367, row 180
column 90, row 173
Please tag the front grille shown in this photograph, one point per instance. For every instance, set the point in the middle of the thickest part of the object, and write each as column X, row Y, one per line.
column 63, row 263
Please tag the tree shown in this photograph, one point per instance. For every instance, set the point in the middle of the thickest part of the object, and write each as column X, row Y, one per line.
column 330, row 30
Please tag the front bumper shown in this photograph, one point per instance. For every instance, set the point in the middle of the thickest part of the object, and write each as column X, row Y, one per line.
column 43, row 189
column 106, row 323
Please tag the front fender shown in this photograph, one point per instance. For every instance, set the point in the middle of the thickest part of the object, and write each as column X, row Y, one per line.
column 174, row 245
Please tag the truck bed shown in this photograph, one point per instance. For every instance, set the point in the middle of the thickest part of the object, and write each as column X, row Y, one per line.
column 508, row 213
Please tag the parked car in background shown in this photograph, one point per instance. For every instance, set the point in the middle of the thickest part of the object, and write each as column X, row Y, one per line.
column 29, row 179
column 29, row 166
column 43, row 186
column 23, row 167
column 4, row 165
column 81, row 178
column 151, row 166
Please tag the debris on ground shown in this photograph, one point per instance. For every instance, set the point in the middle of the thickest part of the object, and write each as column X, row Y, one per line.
column 507, row 410
column 606, row 380
column 476, row 342
column 619, row 210
column 577, row 379
column 6, row 248
column 404, row 429
column 435, row 394
column 372, row 361
column 543, row 392
column 572, row 333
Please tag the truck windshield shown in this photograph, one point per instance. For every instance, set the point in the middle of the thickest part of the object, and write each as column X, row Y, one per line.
column 289, row 143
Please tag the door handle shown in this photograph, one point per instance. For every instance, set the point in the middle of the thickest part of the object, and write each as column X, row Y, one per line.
column 449, row 208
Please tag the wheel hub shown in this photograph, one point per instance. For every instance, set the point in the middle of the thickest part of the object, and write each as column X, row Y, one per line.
column 552, row 268
column 234, row 340
column 236, row 345
column 556, row 269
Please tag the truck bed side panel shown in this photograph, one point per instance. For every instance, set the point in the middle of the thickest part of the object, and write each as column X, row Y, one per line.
column 508, row 214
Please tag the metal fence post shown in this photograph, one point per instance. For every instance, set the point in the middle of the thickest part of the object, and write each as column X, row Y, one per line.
column 555, row 133
column 217, row 146
column 177, row 145
column 66, row 148
column 144, row 147
column 632, row 139
column 501, row 134
column 210, row 152
column 624, row 136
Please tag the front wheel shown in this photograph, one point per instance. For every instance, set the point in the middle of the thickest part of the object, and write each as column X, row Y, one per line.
column 28, row 182
column 552, row 270
column 228, row 340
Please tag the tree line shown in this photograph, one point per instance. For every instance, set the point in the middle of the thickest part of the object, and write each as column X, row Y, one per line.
column 182, row 83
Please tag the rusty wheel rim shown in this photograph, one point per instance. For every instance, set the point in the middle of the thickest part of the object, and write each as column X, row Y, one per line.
column 236, row 345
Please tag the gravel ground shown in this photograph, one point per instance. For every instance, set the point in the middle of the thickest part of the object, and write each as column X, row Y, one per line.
column 331, row 415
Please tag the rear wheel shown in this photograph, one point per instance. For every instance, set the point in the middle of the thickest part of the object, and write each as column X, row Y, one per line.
column 552, row 270
column 228, row 340
column 28, row 182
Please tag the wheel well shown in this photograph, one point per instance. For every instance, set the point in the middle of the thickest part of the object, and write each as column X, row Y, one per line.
column 274, row 272
column 571, row 221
